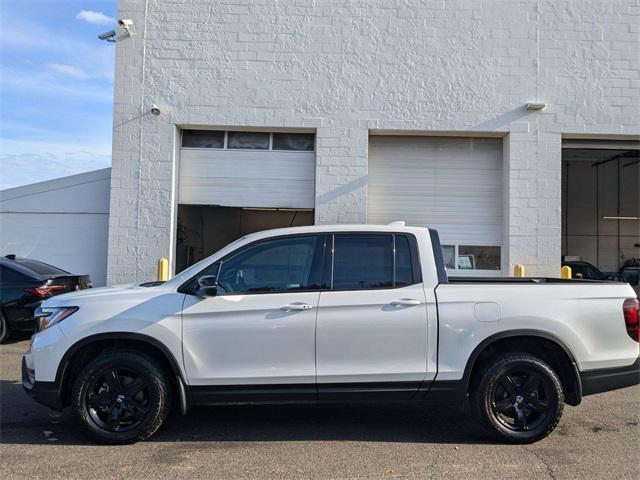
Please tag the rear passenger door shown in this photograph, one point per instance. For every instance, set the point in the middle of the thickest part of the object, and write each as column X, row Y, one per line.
column 371, row 335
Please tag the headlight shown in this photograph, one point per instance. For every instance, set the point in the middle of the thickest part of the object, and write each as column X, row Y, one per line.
column 47, row 316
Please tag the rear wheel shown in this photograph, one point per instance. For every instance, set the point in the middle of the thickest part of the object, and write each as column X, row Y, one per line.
column 519, row 398
column 121, row 397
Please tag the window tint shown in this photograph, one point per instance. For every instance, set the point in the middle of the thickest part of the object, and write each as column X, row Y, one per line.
column 248, row 140
column 592, row 273
column 41, row 268
column 293, row 141
column 279, row 265
column 362, row 261
column 404, row 265
column 203, row 138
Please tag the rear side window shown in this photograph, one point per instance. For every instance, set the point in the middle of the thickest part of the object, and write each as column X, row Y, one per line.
column 370, row 261
column 41, row 268
column 8, row 275
column 404, row 264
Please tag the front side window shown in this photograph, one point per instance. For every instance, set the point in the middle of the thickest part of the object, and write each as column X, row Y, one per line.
column 272, row 266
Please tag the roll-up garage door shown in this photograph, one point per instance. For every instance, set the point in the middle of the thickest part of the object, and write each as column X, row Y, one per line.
column 247, row 169
column 451, row 184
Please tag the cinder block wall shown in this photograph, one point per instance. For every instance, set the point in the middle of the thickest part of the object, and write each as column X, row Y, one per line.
column 350, row 67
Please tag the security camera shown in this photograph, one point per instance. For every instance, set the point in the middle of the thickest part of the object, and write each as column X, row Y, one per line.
column 109, row 36
column 127, row 25
column 155, row 110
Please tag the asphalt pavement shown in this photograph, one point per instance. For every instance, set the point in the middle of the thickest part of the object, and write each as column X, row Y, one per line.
column 599, row 439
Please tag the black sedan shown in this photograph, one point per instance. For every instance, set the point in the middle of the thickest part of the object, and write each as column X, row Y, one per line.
column 24, row 285
column 586, row 270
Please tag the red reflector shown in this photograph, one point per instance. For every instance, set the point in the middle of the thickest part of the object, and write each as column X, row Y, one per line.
column 45, row 290
column 630, row 309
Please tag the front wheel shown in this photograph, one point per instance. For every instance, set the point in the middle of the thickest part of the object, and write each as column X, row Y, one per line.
column 121, row 397
column 519, row 398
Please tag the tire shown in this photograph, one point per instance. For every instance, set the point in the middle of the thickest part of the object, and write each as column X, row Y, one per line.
column 121, row 397
column 5, row 330
column 519, row 398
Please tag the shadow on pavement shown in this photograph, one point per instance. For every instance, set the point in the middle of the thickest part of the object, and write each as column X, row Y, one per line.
column 23, row 421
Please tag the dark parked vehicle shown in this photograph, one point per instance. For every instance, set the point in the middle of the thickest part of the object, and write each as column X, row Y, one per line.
column 586, row 271
column 24, row 285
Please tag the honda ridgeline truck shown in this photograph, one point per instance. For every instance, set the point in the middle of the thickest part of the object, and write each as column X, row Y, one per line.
column 333, row 313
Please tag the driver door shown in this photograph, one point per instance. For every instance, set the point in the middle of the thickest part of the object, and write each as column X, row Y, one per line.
column 259, row 329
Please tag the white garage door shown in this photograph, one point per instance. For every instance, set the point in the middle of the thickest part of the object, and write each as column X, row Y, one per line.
column 451, row 184
column 247, row 169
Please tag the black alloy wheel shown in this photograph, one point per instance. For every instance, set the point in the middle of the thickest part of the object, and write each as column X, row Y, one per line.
column 519, row 397
column 121, row 396
column 118, row 399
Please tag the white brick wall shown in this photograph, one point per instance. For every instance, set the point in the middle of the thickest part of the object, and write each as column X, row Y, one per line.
column 348, row 67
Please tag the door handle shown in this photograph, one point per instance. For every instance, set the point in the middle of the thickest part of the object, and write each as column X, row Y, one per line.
column 296, row 307
column 405, row 302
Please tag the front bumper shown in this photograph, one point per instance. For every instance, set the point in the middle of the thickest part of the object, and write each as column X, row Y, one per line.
column 605, row 379
column 46, row 393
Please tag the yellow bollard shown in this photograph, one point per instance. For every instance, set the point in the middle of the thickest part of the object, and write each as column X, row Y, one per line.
column 163, row 270
column 565, row 272
column 518, row 270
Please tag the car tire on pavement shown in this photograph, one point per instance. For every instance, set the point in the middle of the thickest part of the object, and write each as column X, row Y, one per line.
column 121, row 397
column 519, row 398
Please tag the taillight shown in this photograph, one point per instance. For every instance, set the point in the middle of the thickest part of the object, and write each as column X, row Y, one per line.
column 45, row 290
column 630, row 309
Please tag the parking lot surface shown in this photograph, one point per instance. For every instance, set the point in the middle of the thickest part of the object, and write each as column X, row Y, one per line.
column 597, row 440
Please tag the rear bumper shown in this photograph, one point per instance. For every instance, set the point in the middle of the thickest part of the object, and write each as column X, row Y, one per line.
column 46, row 393
column 605, row 379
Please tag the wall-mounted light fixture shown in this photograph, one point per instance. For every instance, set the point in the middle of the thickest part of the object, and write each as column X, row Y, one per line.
column 127, row 26
column 536, row 106
column 620, row 218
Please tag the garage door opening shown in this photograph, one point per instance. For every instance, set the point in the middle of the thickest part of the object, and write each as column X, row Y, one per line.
column 601, row 212
column 204, row 229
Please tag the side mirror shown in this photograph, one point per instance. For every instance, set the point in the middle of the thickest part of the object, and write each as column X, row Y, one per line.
column 207, row 286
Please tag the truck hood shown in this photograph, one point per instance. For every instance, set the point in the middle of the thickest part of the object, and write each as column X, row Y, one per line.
column 89, row 294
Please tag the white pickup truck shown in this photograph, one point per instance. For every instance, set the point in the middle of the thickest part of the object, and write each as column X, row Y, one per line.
column 333, row 313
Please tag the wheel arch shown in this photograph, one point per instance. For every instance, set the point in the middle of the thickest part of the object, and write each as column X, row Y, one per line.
column 92, row 345
column 548, row 346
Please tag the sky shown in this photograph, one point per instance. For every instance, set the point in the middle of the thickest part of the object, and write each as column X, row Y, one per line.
column 56, row 88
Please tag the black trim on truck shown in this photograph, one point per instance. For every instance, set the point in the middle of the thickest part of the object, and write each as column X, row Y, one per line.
column 606, row 379
column 46, row 393
column 437, row 255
